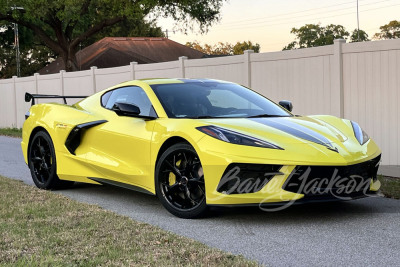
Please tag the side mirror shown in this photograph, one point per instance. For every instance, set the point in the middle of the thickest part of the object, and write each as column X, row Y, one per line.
column 286, row 104
column 126, row 109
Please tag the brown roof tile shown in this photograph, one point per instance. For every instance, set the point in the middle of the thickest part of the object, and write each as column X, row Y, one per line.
column 120, row 51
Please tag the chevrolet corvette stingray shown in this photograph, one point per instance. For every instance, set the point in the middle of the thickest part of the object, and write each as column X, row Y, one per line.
column 196, row 143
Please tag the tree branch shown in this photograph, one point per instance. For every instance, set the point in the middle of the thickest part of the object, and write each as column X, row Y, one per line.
column 95, row 29
column 71, row 24
column 53, row 45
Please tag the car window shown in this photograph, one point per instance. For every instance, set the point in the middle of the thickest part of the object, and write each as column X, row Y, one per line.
column 228, row 99
column 132, row 95
column 214, row 99
column 105, row 98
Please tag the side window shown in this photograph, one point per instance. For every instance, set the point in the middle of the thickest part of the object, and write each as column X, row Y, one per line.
column 132, row 95
column 105, row 98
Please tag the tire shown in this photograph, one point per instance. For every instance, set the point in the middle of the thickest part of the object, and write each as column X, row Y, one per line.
column 181, row 190
column 42, row 163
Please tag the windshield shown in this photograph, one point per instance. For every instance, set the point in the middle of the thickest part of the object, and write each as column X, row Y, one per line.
column 214, row 100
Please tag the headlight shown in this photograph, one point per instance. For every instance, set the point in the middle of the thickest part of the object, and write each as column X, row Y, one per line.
column 235, row 137
column 361, row 136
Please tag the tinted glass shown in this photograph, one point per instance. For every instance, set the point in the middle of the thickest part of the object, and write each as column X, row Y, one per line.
column 105, row 97
column 132, row 95
column 214, row 99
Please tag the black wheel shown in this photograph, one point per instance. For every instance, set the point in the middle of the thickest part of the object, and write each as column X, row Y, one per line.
column 180, row 182
column 42, row 162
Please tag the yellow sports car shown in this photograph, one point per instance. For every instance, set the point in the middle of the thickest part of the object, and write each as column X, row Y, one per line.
column 197, row 143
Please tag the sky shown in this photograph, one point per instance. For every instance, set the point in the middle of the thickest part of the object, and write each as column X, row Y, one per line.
column 268, row 22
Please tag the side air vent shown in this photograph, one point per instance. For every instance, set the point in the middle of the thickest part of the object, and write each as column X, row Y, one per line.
column 75, row 136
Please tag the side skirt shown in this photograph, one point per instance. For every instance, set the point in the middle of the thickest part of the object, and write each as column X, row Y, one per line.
column 123, row 185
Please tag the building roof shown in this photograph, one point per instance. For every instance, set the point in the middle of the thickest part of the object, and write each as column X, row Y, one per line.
column 120, row 51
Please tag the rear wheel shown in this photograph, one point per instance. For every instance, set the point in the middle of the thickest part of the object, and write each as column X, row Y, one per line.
column 42, row 162
column 180, row 182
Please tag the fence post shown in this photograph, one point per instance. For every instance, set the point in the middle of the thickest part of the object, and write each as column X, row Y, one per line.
column 133, row 71
column 338, row 89
column 14, row 78
column 62, row 81
column 247, row 67
column 93, row 73
column 182, row 65
column 35, row 75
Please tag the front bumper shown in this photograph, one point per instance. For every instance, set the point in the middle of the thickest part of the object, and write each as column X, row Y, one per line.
column 215, row 164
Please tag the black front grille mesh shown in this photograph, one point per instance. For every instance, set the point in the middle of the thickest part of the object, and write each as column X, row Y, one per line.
column 241, row 178
column 320, row 180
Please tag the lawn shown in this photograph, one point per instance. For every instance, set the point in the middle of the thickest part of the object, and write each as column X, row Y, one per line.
column 13, row 132
column 390, row 186
column 39, row 227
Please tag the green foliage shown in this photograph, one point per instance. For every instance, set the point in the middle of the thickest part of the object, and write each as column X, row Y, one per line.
column 33, row 56
column 12, row 132
column 358, row 36
column 240, row 47
column 389, row 31
column 224, row 48
column 63, row 24
column 312, row 35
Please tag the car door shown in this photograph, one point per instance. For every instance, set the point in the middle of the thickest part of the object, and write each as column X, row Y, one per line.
column 120, row 148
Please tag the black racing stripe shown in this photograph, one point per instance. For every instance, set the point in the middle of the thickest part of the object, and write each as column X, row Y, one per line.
column 297, row 130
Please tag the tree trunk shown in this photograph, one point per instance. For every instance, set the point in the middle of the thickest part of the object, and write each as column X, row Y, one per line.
column 70, row 61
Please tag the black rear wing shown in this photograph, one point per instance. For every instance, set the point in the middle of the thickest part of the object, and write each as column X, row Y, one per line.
column 31, row 97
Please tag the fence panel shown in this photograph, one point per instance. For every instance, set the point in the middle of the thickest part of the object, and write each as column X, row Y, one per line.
column 222, row 68
column 158, row 70
column 23, row 85
column 7, row 104
column 371, row 78
column 105, row 78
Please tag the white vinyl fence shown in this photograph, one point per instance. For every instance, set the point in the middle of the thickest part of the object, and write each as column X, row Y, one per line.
column 357, row 81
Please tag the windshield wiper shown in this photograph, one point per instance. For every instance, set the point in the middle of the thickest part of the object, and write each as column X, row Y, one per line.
column 266, row 116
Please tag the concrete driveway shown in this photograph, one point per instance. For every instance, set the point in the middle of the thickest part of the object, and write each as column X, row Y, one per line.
column 363, row 232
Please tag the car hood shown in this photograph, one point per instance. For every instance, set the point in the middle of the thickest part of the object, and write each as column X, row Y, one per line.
column 288, row 130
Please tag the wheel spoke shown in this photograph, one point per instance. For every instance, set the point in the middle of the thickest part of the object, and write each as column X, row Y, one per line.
column 174, row 169
column 189, row 197
column 36, row 159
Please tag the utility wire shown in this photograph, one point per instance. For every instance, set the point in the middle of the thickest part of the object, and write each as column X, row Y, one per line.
column 270, row 18
column 274, row 24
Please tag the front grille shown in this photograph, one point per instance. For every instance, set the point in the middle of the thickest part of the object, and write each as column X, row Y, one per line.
column 242, row 178
column 337, row 180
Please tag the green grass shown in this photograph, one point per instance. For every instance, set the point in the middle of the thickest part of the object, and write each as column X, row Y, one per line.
column 390, row 186
column 13, row 132
column 39, row 227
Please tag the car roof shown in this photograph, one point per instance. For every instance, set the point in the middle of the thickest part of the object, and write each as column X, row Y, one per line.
column 178, row 80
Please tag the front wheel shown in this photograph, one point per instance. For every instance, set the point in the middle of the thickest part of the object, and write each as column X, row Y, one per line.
column 42, row 162
column 180, row 182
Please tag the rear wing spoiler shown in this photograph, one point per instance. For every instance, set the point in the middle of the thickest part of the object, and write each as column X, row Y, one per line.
column 31, row 97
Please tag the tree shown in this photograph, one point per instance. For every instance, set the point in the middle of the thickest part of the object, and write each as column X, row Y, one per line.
column 63, row 24
column 33, row 56
column 311, row 35
column 217, row 49
column 224, row 48
column 240, row 47
column 389, row 31
column 358, row 36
